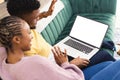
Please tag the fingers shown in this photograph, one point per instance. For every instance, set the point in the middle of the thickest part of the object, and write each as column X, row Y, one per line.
column 57, row 52
column 54, row 1
column 82, row 62
column 65, row 52
column 62, row 57
column 85, row 62
column 59, row 55
column 54, row 52
column 57, row 49
column 83, row 59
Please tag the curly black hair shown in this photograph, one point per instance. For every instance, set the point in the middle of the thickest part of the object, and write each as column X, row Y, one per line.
column 19, row 7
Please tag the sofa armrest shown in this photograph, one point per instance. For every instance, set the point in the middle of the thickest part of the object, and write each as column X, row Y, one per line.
column 93, row 6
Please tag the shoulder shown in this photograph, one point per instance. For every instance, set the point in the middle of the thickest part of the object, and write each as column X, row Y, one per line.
column 36, row 59
column 35, row 33
column 37, row 36
column 2, row 53
column 32, row 58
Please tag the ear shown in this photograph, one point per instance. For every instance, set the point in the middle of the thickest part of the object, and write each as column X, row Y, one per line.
column 16, row 39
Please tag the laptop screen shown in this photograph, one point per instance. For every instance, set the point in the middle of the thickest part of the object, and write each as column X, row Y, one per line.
column 89, row 31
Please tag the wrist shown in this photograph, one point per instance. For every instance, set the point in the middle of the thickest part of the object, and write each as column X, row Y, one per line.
column 64, row 63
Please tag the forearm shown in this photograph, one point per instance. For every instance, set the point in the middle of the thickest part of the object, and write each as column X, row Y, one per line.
column 43, row 15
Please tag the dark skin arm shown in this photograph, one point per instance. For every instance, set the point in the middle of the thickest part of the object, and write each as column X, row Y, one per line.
column 61, row 57
column 49, row 12
column 80, row 62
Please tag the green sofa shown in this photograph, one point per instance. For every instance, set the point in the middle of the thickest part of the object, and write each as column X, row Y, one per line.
column 99, row 10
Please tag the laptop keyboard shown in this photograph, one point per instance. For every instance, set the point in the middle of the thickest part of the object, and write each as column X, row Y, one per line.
column 78, row 46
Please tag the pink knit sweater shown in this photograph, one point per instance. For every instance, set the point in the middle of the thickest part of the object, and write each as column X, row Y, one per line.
column 40, row 68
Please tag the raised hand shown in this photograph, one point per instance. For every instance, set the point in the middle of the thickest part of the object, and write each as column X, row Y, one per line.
column 49, row 12
column 60, row 57
column 51, row 8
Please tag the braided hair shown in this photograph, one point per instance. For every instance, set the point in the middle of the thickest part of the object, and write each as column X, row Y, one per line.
column 19, row 7
column 10, row 26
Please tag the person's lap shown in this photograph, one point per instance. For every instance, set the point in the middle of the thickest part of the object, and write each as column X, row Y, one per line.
column 99, row 61
column 100, row 56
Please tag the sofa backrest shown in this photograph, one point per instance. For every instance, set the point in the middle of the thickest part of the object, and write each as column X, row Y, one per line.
column 56, row 26
column 93, row 6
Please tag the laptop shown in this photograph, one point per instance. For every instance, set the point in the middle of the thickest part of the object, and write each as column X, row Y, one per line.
column 85, row 38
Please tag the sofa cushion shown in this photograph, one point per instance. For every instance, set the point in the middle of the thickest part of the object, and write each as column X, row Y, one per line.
column 93, row 6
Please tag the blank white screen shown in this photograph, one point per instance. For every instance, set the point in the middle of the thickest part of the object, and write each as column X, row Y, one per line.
column 89, row 31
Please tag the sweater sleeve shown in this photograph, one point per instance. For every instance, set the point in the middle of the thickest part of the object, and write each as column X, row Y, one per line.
column 74, row 70
column 55, row 72
column 39, row 68
column 64, row 72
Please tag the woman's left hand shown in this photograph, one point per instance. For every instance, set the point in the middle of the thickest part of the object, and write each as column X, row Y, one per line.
column 60, row 57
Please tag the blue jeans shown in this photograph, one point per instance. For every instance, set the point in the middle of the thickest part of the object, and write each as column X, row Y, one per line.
column 110, row 72
column 89, row 72
column 117, row 76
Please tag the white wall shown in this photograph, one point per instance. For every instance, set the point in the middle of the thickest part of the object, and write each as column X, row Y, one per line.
column 118, row 14
column 1, row 1
column 117, row 29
